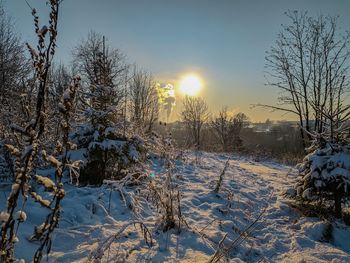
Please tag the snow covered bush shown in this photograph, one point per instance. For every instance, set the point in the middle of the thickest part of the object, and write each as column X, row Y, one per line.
column 30, row 136
column 110, row 148
column 55, row 187
column 29, row 133
column 325, row 174
column 164, row 190
column 109, row 154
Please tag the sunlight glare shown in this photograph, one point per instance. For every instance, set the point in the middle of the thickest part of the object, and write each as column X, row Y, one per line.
column 190, row 85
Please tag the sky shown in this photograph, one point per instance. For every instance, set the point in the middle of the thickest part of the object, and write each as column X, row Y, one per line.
column 222, row 41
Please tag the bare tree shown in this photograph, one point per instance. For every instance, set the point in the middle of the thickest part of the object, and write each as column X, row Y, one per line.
column 143, row 99
column 227, row 129
column 222, row 129
column 59, row 79
column 195, row 114
column 14, row 70
column 239, row 121
column 309, row 64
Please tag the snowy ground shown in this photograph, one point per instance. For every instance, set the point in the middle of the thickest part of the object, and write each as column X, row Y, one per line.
column 281, row 235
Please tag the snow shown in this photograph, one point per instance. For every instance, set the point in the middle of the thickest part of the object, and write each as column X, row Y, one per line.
column 66, row 94
column 56, row 163
column 92, row 215
column 46, row 182
column 4, row 216
column 21, row 216
column 133, row 153
column 108, row 144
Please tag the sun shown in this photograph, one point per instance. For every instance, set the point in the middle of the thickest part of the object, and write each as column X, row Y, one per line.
column 190, row 85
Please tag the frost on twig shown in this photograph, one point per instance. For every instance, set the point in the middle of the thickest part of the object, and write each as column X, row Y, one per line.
column 26, row 151
column 51, row 222
column 221, row 177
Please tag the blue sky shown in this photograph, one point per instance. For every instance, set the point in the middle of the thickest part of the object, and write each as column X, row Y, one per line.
column 223, row 41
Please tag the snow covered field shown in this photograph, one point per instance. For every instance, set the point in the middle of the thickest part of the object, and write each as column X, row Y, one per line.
column 250, row 190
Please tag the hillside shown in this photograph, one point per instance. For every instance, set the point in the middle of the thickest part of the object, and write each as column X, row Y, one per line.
column 251, row 191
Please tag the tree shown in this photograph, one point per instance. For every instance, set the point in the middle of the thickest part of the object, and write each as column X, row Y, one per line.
column 103, row 71
column 98, row 62
column 110, row 150
column 59, row 80
column 143, row 100
column 194, row 115
column 227, row 129
column 240, row 121
column 324, row 175
column 14, row 70
column 309, row 64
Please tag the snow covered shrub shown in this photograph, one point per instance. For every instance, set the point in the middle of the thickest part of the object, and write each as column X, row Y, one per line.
column 30, row 136
column 164, row 189
column 109, row 153
column 26, row 149
column 109, row 147
column 55, row 188
column 325, row 174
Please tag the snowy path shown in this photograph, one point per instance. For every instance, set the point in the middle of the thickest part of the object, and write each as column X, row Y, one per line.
column 281, row 235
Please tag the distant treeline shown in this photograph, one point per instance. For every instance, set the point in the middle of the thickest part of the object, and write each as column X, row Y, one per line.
column 279, row 140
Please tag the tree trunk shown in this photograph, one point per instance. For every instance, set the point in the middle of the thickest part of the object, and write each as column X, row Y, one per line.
column 302, row 133
column 337, row 205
